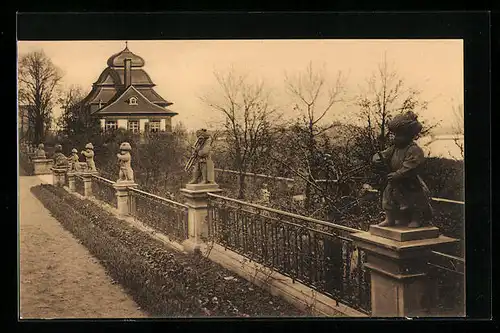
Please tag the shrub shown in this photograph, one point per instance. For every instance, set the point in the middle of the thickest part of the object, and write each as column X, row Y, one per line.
column 163, row 282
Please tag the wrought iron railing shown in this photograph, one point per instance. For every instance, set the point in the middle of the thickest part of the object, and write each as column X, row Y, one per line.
column 449, row 273
column 316, row 253
column 79, row 186
column 166, row 216
column 103, row 190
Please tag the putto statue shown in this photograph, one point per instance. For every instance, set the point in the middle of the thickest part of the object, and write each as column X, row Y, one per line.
column 40, row 152
column 89, row 157
column 265, row 194
column 74, row 161
column 203, row 171
column 60, row 161
column 406, row 198
column 126, row 173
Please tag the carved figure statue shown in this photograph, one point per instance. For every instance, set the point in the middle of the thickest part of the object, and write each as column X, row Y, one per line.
column 60, row 161
column 40, row 152
column 406, row 198
column 74, row 161
column 126, row 173
column 89, row 157
column 201, row 159
column 265, row 194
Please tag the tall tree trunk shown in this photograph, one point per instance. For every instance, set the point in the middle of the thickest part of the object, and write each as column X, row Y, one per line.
column 241, row 185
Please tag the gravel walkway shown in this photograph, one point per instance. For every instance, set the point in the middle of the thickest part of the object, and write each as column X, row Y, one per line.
column 59, row 278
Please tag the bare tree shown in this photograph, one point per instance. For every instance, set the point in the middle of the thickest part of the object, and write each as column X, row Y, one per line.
column 249, row 119
column 384, row 96
column 75, row 118
column 38, row 79
column 458, row 127
column 314, row 96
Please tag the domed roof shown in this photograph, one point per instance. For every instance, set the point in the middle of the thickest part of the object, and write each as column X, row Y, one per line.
column 117, row 60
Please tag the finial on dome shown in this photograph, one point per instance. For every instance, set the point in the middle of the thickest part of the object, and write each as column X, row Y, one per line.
column 126, row 44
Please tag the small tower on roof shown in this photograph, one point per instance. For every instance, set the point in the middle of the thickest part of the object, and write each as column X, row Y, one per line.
column 124, row 97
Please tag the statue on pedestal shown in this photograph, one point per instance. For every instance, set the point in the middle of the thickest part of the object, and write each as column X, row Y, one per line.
column 126, row 173
column 60, row 161
column 89, row 157
column 201, row 159
column 406, row 198
column 40, row 152
column 265, row 194
column 74, row 161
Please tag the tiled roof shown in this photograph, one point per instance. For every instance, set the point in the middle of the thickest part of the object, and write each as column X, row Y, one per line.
column 120, row 105
column 115, row 77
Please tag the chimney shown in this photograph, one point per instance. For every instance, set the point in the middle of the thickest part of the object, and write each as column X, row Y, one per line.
column 127, row 75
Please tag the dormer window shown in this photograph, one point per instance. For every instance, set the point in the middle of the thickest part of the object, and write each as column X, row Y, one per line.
column 132, row 101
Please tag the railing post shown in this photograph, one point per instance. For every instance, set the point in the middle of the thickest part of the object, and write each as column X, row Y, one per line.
column 42, row 166
column 197, row 201
column 71, row 181
column 123, row 203
column 58, row 176
column 397, row 261
column 87, row 184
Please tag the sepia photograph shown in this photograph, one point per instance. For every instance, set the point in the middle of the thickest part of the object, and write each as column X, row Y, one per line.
column 241, row 178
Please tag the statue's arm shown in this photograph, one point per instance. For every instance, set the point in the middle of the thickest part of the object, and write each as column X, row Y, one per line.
column 413, row 160
column 205, row 149
column 386, row 154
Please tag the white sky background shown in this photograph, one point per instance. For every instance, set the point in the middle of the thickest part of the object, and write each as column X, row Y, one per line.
column 183, row 70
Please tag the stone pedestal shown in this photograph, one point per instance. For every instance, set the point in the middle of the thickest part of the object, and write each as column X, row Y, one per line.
column 42, row 166
column 197, row 200
column 71, row 181
column 397, row 260
column 122, row 197
column 59, row 176
column 87, row 183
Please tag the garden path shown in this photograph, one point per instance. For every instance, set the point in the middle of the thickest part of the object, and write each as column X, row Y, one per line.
column 59, row 278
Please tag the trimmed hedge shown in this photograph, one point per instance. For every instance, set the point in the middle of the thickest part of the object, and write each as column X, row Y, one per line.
column 163, row 282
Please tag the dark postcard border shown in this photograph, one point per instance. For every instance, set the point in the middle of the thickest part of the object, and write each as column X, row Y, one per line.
column 472, row 27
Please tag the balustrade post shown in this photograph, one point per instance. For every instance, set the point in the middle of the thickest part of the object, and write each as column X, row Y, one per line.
column 42, row 166
column 123, row 200
column 397, row 260
column 71, row 181
column 87, row 184
column 58, row 176
column 197, row 201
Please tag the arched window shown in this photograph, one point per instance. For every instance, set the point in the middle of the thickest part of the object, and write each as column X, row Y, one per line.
column 132, row 101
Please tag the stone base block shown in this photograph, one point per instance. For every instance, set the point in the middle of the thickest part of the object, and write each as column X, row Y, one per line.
column 403, row 233
column 42, row 166
column 202, row 187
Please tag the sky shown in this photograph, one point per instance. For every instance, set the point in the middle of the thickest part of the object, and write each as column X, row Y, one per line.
column 183, row 71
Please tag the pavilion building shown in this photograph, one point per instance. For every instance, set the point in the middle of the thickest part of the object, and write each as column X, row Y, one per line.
column 124, row 97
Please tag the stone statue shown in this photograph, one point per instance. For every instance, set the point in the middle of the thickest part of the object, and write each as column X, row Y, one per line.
column 40, row 152
column 60, row 161
column 89, row 157
column 201, row 159
column 265, row 194
column 126, row 173
column 74, row 161
column 406, row 198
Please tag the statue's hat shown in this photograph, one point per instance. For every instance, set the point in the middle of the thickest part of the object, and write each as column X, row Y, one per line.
column 89, row 146
column 74, row 150
column 125, row 146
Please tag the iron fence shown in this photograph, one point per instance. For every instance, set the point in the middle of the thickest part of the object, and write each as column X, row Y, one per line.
column 449, row 273
column 316, row 253
column 166, row 216
column 103, row 190
column 79, row 186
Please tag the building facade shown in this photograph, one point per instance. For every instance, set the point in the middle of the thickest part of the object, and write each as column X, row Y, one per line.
column 124, row 97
